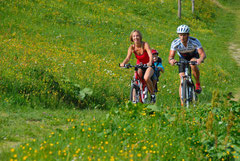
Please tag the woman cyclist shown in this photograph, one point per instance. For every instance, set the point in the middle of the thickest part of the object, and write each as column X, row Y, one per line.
column 143, row 54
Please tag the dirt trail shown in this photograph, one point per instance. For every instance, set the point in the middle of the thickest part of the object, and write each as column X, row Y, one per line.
column 235, row 51
column 234, row 46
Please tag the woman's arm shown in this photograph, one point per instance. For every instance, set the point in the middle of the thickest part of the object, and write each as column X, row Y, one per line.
column 147, row 48
column 129, row 54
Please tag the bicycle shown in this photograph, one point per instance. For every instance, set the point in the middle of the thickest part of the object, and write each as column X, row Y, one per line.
column 188, row 94
column 139, row 90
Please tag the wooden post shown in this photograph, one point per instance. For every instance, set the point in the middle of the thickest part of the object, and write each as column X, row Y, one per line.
column 179, row 9
column 193, row 6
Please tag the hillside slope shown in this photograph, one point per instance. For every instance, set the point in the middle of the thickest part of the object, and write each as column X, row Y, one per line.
column 67, row 52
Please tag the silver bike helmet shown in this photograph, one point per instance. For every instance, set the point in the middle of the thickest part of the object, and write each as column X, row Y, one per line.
column 183, row 29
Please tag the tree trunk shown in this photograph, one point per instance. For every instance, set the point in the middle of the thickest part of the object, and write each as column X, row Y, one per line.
column 179, row 9
column 193, row 6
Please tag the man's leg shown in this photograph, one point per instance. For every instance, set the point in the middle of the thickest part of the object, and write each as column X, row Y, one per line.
column 196, row 74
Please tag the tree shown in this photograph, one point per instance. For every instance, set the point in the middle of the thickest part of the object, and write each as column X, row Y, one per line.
column 193, row 6
column 179, row 9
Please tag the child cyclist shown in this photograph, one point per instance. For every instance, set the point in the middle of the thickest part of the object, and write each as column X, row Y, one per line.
column 157, row 62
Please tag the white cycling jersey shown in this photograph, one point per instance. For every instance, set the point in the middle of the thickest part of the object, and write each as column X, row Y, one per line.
column 192, row 45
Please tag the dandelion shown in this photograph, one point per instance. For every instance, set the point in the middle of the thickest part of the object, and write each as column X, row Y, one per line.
column 112, row 158
column 12, row 150
column 25, row 158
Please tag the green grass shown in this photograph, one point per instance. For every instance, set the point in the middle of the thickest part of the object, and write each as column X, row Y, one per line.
column 63, row 95
column 22, row 124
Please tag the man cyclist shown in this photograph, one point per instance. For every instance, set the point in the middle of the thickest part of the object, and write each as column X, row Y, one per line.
column 188, row 48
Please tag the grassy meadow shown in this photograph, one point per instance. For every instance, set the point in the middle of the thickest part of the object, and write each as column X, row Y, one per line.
column 63, row 96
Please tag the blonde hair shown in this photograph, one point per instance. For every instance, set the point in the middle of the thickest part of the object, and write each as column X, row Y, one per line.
column 131, row 39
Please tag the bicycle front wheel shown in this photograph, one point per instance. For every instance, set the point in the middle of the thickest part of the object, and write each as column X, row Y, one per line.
column 134, row 94
column 184, row 97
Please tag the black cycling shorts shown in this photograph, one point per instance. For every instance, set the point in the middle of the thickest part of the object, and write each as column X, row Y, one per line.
column 144, row 70
column 188, row 57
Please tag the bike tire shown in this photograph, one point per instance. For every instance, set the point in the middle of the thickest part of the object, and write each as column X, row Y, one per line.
column 134, row 94
column 184, row 92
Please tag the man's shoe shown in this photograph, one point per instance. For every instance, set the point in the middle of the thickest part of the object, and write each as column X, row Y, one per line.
column 198, row 89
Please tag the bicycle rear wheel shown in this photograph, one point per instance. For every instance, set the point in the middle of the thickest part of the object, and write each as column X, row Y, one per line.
column 134, row 94
column 193, row 95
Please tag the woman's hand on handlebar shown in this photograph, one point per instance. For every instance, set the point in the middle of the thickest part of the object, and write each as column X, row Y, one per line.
column 149, row 64
column 122, row 65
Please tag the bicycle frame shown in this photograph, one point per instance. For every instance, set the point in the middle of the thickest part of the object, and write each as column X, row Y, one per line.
column 139, row 88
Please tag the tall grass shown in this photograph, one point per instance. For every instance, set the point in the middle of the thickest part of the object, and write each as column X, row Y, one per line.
column 137, row 132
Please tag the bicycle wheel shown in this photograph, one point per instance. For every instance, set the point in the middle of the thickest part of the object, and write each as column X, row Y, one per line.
column 184, row 89
column 134, row 94
column 144, row 95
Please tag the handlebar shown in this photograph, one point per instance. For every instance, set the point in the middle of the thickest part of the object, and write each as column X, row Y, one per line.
column 186, row 62
column 136, row 66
